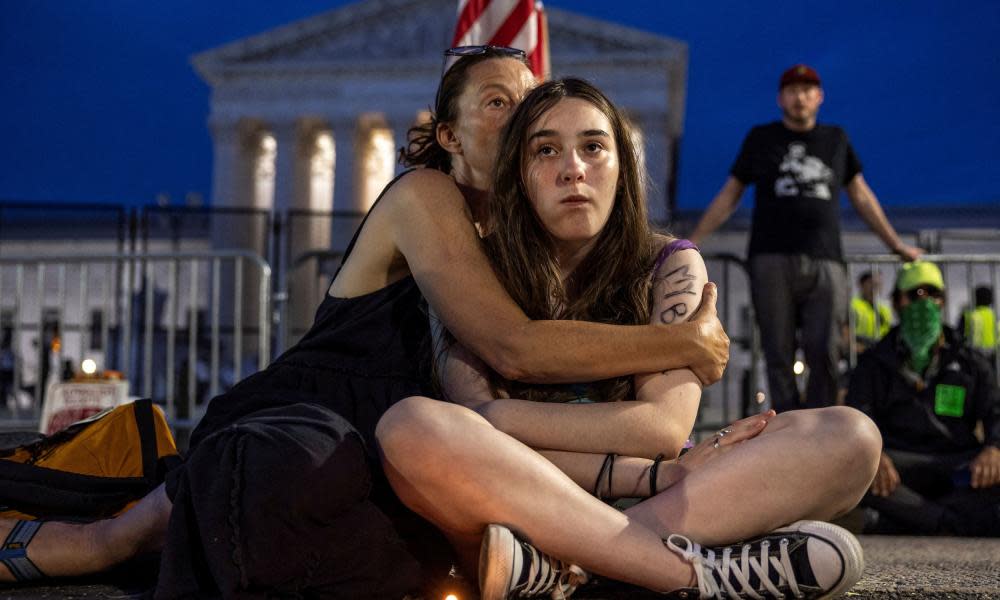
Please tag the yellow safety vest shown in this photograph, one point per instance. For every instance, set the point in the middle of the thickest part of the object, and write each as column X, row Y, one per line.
column 864, row 319
column 981, row 328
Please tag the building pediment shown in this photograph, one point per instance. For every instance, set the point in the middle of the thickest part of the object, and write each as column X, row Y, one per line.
column 378, row 33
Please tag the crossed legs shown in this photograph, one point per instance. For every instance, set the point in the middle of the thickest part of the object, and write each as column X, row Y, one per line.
column 450, row 465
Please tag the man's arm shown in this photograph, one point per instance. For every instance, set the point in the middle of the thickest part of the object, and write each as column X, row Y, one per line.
column 720, row 209
column 867, row 205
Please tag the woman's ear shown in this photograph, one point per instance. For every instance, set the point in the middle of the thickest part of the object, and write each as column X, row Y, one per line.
column 447, row 139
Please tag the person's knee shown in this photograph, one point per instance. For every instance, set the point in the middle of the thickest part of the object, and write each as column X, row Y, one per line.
column 851, row 431
column 423, row 429
column 404, row 425
column 855, row 445
column 846, row 435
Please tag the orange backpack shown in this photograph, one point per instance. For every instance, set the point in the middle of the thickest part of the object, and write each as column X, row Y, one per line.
column 95, row 468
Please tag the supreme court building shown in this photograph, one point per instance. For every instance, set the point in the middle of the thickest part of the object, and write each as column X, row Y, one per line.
column 309, row 116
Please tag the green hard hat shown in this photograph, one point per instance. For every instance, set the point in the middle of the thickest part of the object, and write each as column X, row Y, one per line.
column 919, row 273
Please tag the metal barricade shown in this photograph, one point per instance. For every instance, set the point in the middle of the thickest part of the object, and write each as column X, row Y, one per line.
column 313, row 271
column 160, row 319
column 962, row 274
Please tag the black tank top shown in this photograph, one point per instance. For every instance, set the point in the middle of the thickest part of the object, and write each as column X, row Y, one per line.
column 361, row 356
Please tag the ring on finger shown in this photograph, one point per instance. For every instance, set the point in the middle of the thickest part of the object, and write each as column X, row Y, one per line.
column 715, row 444
column 723, row 432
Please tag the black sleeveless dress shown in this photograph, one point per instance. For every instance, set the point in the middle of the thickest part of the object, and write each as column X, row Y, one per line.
column 282, row 493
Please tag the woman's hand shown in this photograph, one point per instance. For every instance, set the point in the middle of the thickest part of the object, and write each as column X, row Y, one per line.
column 708, row 450
column 719, row 444
column 711, row 344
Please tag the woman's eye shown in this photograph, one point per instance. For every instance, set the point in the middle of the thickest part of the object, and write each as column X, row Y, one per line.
column 593, row 147
column 546, row 151
column 498, row 103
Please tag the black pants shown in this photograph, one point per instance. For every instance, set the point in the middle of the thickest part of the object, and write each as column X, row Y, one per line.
column 934, row 498
column 793, row 292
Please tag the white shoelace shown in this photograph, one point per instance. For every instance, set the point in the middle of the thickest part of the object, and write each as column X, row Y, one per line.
column 714, row 573
column 547, row 574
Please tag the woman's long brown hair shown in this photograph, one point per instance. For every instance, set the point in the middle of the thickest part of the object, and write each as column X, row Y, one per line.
column 611, row 284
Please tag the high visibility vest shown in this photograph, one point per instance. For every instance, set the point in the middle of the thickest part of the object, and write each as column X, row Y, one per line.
column 981, row 328
column 864, row 319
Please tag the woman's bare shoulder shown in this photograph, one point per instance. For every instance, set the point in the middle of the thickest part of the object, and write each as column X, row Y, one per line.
column 423, row 190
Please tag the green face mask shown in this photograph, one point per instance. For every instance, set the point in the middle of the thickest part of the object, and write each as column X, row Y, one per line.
column 920, row 328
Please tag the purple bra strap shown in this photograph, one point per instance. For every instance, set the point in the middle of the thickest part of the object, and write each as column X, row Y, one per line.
column 674, row 246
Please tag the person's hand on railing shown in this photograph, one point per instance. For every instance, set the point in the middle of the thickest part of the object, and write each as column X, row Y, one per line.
column 907, row 252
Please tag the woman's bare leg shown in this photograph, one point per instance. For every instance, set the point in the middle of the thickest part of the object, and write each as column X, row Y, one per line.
column 806, row 464
column 66, row 549
column 450, row 465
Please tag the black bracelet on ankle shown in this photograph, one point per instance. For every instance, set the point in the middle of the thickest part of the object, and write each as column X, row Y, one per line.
column 652, row 474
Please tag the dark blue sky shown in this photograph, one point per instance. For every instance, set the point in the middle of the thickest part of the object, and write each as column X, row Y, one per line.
column 99, row 102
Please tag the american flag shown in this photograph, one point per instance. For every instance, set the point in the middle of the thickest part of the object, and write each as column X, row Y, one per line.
column 515, row 23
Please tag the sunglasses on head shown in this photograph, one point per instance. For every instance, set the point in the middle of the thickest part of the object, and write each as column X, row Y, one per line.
column 451, row 55
column 924, row 291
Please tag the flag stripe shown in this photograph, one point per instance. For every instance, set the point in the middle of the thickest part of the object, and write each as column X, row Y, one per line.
column 526, row 39
column 489, row 15
column 514, row 23
column 519, row 17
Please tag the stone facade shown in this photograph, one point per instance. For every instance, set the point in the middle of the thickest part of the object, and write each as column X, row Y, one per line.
column 306, row 116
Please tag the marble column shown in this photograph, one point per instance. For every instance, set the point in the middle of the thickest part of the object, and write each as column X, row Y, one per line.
column 243, row 179
column 344, row 199
column 307, row 229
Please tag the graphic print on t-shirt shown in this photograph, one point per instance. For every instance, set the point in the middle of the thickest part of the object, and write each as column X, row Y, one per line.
column 803, row 175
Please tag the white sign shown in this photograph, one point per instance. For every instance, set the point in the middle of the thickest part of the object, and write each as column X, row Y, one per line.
column 67, row 403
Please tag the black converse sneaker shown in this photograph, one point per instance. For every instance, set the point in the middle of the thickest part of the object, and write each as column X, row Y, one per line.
column 511, row 568
column 807, row 559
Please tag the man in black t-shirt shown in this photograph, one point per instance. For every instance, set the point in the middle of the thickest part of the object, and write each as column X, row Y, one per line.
column 797, row 275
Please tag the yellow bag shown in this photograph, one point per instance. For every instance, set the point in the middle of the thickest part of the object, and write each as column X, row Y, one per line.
column 95, row 468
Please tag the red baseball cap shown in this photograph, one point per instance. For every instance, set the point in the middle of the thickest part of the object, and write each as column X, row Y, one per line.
column 799, row 74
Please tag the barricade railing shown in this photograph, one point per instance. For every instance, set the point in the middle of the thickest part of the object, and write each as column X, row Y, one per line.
column 962, row 274
column 182, row 328
column 160, row 319
column 319, row 266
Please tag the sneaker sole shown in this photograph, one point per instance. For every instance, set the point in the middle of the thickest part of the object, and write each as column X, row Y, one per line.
column 846, row 544
column 496, row 561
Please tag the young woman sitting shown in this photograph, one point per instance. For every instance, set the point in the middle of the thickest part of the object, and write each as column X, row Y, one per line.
column 515, row 474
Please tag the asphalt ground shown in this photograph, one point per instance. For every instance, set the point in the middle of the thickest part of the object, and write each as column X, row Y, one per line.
column 895, row 568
